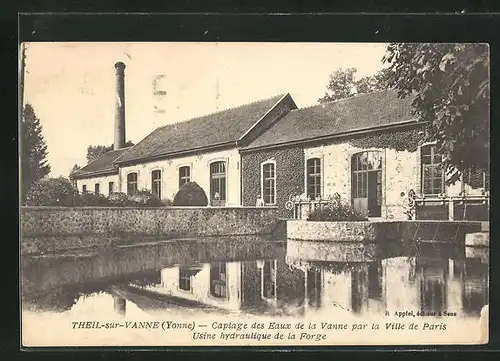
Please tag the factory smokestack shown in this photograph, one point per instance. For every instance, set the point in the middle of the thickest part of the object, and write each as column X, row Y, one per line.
column 120, row 106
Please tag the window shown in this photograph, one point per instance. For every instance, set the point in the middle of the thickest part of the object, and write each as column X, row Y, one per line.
column 366, row 182
column 131, row 183
column 375, row 280
column 84, row 188
column 156, row 183
column 184, row 175
column 314, row 287
column 184, row 279
column 313, row 178
column 358, row 295
column 268, row 182
column 269, row 279
column 432, row 171
column 111, row 186
column 432, row 294
column 476, row 179
column 96, row 188
column 218, row 285
column 218, row 183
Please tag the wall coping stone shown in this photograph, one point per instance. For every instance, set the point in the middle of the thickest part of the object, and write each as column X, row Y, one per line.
column 44, row 208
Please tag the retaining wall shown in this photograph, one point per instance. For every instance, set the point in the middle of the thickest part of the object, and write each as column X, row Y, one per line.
column 384, row 230
column 76, row 227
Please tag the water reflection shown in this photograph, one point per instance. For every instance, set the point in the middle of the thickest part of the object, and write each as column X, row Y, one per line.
column 260, row 276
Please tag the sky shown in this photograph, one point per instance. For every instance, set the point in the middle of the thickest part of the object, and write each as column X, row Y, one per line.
column 71, row 86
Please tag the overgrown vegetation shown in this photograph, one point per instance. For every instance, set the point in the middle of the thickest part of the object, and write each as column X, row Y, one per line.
column 119, row 199
column 335, row 211
column 144, row 198
column 52, row 192
column 34, row 163
column 451, row 85
column 190, row 194
column 60, row 192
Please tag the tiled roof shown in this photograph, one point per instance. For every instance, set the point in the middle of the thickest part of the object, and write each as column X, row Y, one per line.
column 102, row 164
column 337, row 117
column 209, row 130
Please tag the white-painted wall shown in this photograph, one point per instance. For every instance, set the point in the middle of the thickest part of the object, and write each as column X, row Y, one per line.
column 200, row 173
column 400, row 173
column 103, row 184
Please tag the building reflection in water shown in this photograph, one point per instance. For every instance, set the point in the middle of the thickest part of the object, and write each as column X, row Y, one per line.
column 305, row 277
column 421, row 279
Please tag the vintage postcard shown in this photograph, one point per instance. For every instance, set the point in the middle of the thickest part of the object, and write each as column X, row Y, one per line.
column 254, row 194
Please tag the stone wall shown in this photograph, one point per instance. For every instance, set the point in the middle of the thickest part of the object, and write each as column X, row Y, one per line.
column 289, row 175
column 87, row 223
column 381, row 231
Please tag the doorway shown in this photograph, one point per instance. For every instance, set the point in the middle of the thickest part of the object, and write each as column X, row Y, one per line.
column 366, row 182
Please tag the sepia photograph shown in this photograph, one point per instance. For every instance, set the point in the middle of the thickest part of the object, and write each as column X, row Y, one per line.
column 254, row 193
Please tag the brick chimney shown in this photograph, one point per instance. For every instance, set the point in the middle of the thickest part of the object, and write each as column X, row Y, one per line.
column 120, row 106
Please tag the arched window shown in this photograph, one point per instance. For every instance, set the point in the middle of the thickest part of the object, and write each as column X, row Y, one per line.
column 432, row 170
column 218, row 183
column 313, row 178
column 366, row 182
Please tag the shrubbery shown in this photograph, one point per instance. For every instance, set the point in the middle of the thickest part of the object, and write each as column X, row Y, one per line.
column 92, row 199
column 119, row 199
column 190, row 194
column 60, row 192
column 336, row 210
column 52, row 192
column 144, row 198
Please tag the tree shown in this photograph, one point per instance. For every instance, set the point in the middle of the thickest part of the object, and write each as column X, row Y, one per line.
column 451, row 86
column 342, row 84
column 34, row 164
column 95, row 151
column 75, row 168
column 369, row 84
column 52, row 192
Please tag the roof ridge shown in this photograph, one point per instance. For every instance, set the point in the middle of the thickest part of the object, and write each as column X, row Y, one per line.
column 102, row 155
column 344, row 99
column 279, row 96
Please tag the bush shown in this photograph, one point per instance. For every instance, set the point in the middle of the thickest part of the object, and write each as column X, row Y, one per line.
column 190, row 194
column 119, row 199
column 144, row 198
column 335, row 211
column 92, row 199
column 52, row 192
column 166, row 202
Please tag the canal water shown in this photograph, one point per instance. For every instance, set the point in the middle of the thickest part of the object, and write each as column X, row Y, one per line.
column 255, row 276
